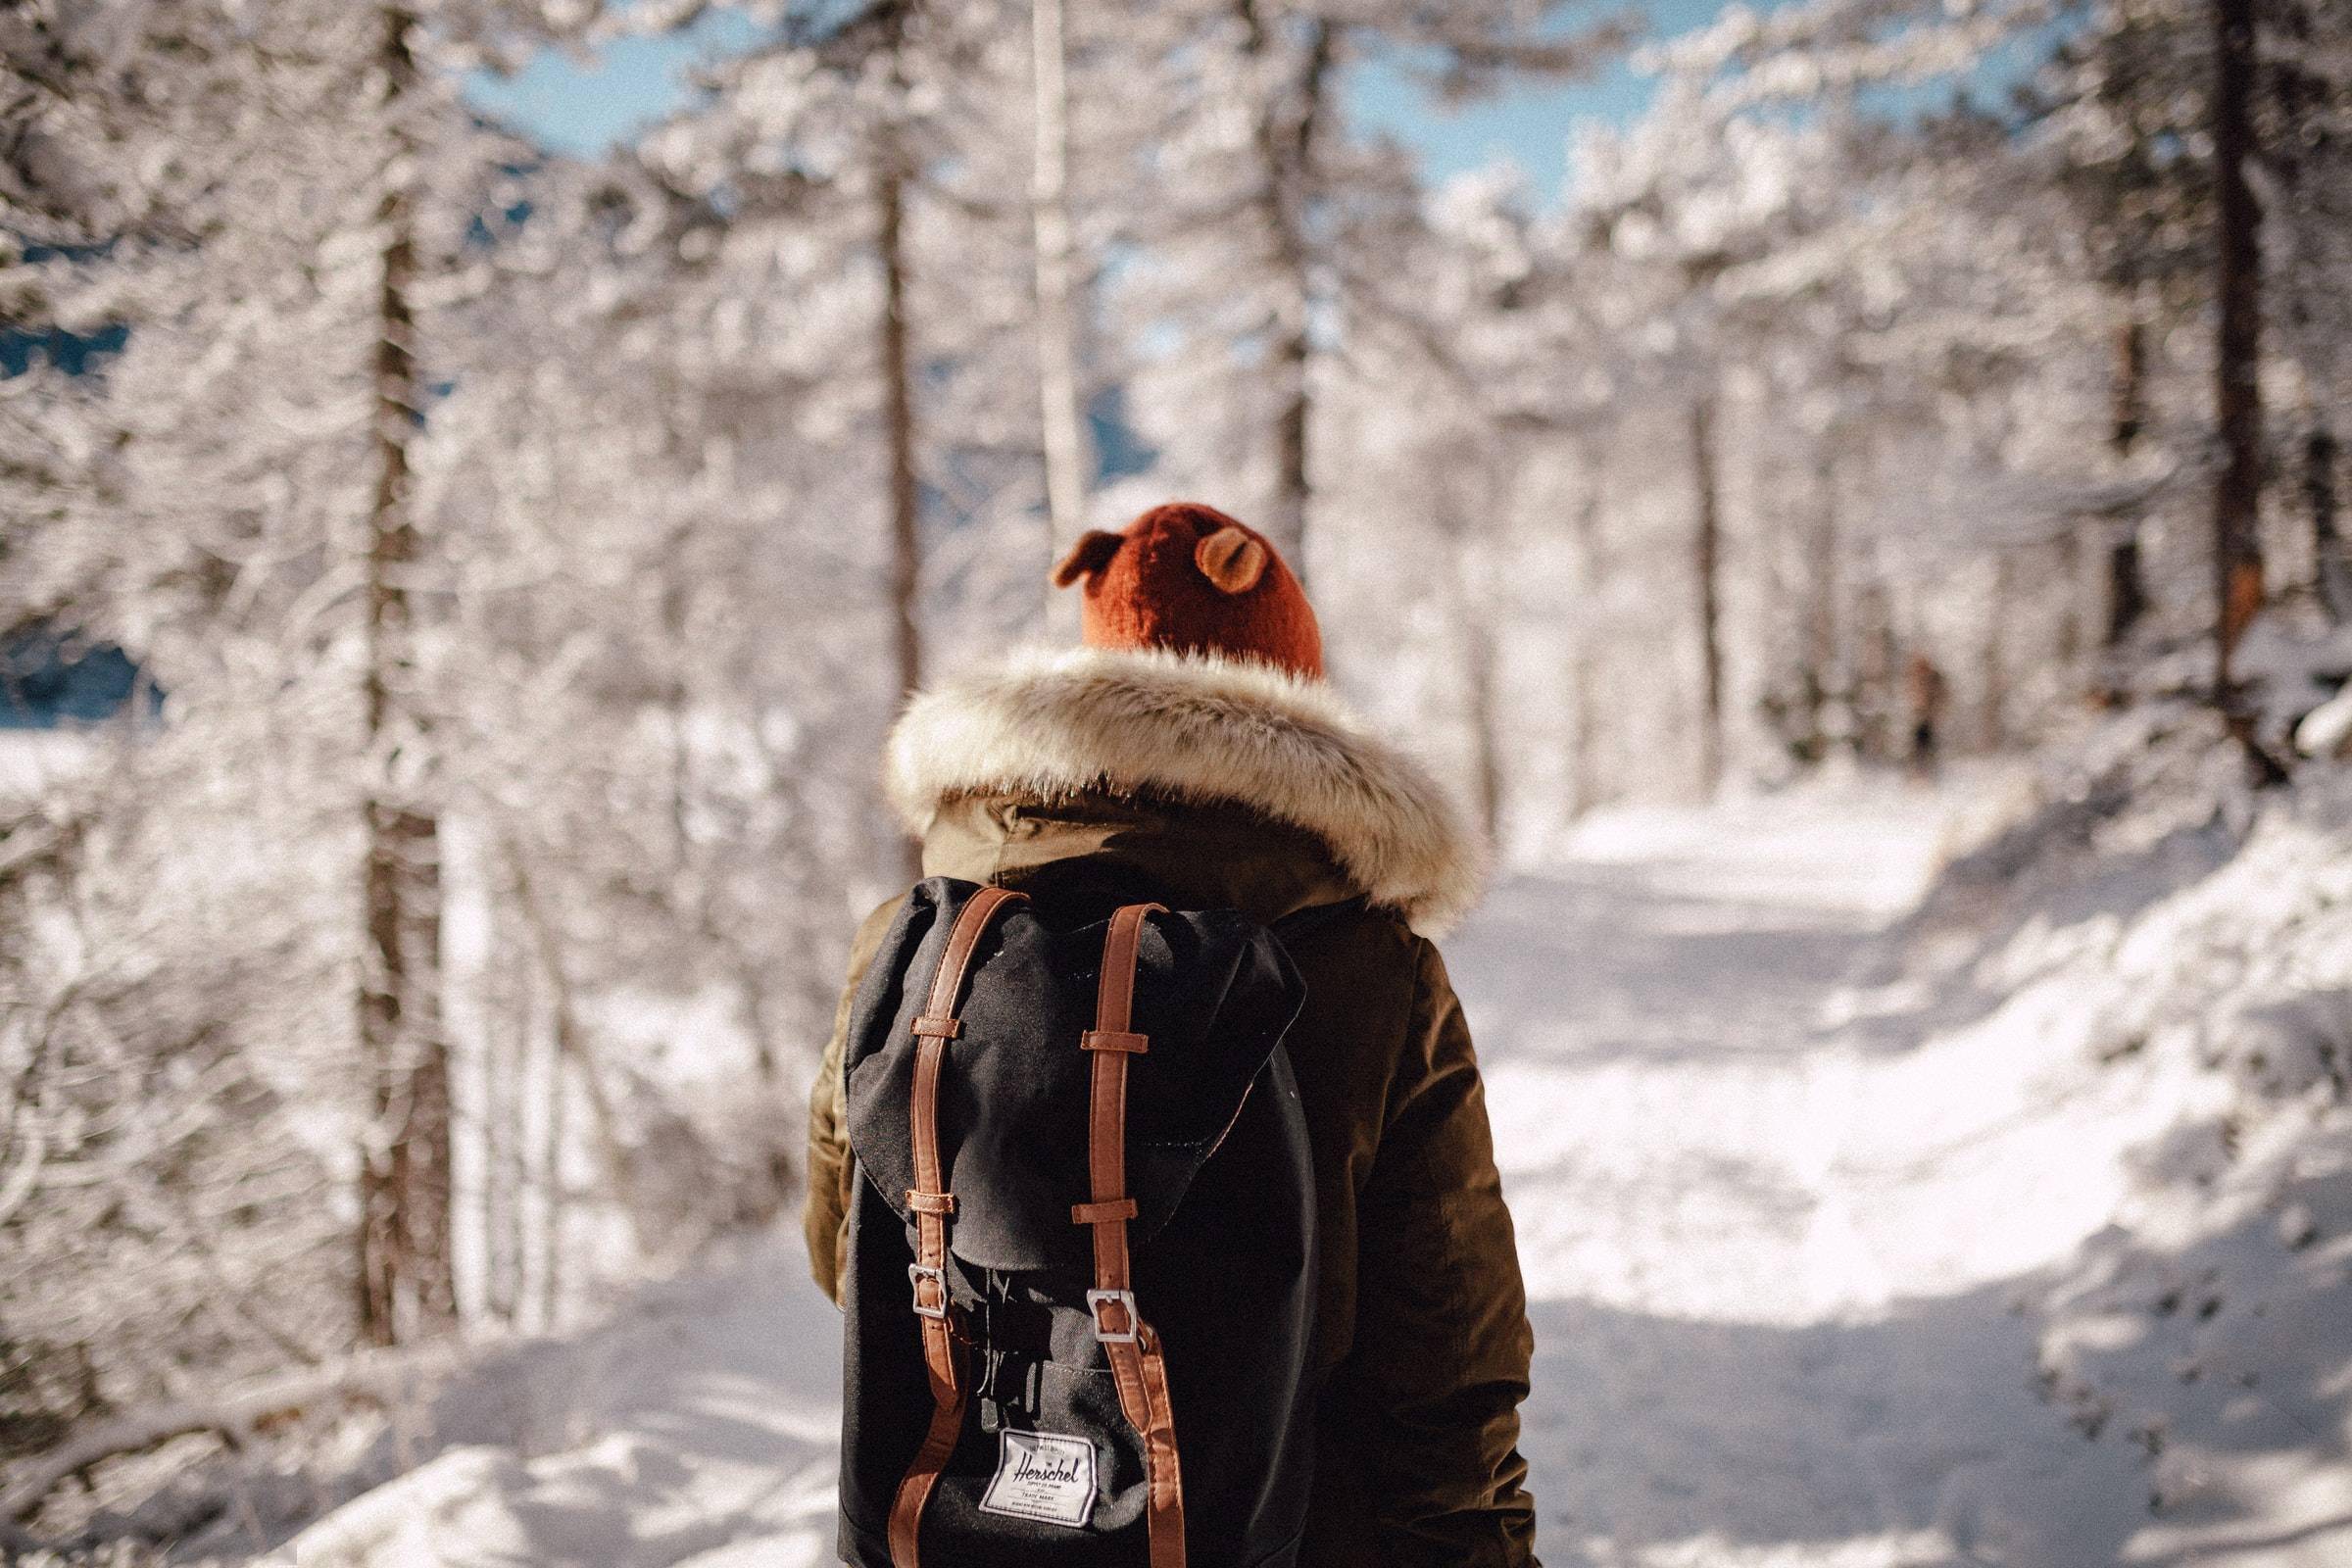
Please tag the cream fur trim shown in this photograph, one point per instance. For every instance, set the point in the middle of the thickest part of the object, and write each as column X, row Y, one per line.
column 1050, row 723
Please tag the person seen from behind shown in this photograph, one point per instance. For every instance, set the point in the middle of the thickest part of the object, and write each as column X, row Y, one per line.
column 1192, row 754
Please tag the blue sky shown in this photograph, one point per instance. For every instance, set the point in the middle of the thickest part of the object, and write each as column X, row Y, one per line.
column 583, row 106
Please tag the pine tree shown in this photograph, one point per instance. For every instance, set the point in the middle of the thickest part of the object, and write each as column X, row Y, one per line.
column 1061, row 423
column 406, row 1268
column 2238, row 343
column 1262, row 202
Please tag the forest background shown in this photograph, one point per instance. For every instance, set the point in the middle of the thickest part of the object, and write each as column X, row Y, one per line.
column 464, row 539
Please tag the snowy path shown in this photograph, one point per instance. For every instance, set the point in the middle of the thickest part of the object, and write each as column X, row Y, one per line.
column 1771, row 1220
column 1764, row 1231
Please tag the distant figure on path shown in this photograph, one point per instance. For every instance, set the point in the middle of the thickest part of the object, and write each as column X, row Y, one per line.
column 1192, row 755
column 1925, row 686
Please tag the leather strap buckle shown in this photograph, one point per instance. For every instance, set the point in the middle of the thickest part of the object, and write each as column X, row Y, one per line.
column 1095, row 1301
column 916, row 1274
column 1125, row 1040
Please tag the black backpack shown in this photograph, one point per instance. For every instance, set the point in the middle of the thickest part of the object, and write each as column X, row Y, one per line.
column 1081, row 1283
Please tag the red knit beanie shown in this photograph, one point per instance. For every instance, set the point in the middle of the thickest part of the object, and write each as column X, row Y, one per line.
column 1189, row 577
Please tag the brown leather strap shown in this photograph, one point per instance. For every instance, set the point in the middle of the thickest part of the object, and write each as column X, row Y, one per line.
column 1165, row 1520
column 1137, row 1365
column 1111, row 1042
column 906, row 1508
column 932, row 1203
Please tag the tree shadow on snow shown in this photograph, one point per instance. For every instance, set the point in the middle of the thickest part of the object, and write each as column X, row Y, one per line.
column 2052, row 874
column 1920, row 1439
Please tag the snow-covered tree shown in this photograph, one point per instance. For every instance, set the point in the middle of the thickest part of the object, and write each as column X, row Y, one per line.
column 1258, row 217
column 257, row 206
column 868, row 129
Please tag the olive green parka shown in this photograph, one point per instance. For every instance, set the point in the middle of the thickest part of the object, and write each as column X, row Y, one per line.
column 1203, row 783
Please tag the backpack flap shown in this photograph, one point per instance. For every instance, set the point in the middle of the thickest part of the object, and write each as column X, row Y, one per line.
column 1214, row 992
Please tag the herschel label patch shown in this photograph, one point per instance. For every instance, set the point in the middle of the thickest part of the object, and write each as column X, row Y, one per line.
column 1043, row 1476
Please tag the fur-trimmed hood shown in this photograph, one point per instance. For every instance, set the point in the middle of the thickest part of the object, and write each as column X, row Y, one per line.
column 1052, row 724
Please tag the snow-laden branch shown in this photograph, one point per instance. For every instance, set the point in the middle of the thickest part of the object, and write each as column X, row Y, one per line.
column 368, row 1377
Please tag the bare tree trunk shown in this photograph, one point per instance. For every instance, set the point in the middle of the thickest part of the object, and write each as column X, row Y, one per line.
column 1480, row 655
column 1285, row 153
column 2238, row 347
column 1876, row 662
column 1480, row 678
column 407, row 1274
column 677, row 700
column 2306, row 136
column 2331, row 561
column 1994, row 721
column 1584, row 677
column 515, row 1052
column 906, row 497
column 898, row 396
column 572, row 1044
column 2067, row 560
column 1061, row 423
column 497, row 1128
column 556, row 1131
column 1823, row 555
column 1707, row 551
column 1471, row 496
column 2127, row 579
column 502, row 1157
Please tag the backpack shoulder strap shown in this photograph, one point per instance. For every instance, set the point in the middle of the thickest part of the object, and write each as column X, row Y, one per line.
column 932, row 1203
column 1132, row 1345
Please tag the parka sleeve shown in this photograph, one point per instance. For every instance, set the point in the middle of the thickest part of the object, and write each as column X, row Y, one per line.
column 825, row 1216
column 1442, row 1352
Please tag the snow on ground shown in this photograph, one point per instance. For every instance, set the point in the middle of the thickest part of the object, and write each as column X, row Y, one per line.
column 696, row 1431
column 1765, row 1247
column 1804, row 1199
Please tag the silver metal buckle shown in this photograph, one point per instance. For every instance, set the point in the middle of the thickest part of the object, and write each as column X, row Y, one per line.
column 916, row 1273
column 1125, row 1299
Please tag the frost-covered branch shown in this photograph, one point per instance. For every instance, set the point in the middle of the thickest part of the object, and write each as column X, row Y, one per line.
column 234, row 1416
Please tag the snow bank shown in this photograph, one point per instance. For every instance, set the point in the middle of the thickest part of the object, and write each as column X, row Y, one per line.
column 697, row 1428
column 2209, row 1326
column 2010, row 1235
